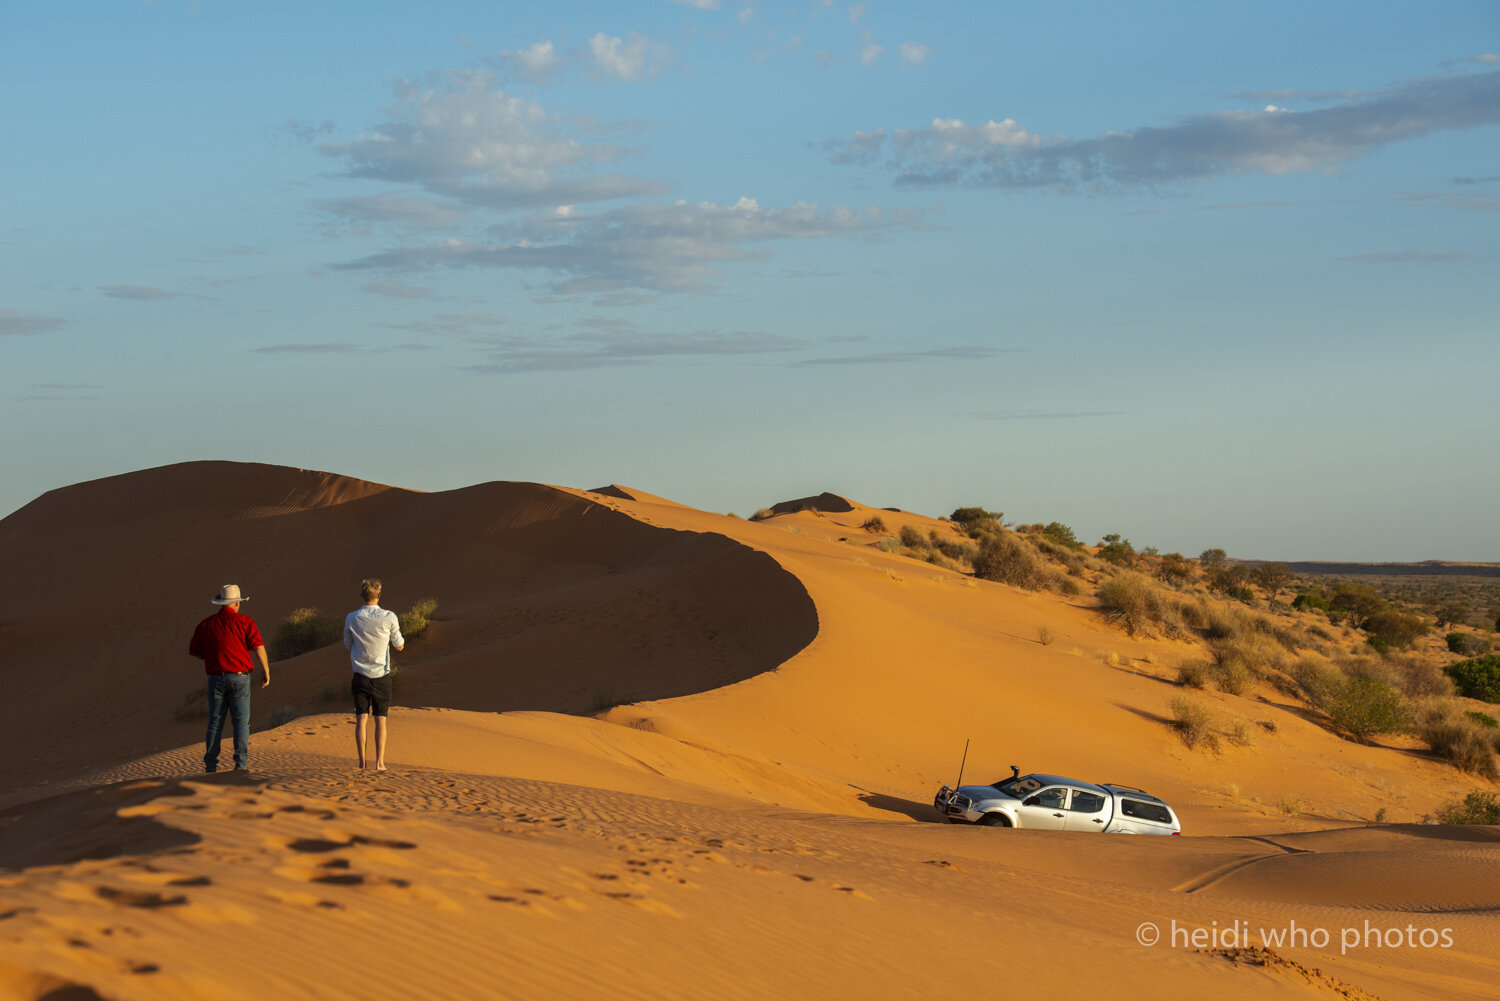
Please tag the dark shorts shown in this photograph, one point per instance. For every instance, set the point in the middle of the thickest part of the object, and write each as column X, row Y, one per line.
column 371, row 694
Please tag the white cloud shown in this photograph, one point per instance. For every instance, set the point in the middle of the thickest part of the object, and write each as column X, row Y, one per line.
column 913, row 54
column 656, row 247
column 856, row 11
column 631, row 60
column 13, row 321
column 869, row 54
column 1002, row 154
column 469, row 141
column 540, row 63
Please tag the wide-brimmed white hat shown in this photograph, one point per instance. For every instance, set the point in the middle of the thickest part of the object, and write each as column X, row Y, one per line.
column 229, row 594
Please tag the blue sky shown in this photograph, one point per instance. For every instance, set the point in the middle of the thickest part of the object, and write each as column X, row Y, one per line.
column 1200, row 276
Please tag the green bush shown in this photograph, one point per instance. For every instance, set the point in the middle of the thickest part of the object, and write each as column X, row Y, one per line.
column 1062, row 535
column 1395, row 627
column 1483, row 719
column 1303, row 602
column 976, row 521
column 415, row 619
column 1478, row 807
column 1478, row 678
column 1117, row 550
column 302, row 631
column 1360, row 706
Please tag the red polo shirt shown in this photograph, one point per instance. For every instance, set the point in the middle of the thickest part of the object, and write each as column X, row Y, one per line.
column 225, row 641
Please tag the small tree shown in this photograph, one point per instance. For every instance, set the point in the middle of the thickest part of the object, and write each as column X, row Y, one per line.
column 1210, row 558
column 1451, row 613
column 1117, row 550
column 976, row 521
column 1175, row 569
column 1274, row 578
column 1062, row 535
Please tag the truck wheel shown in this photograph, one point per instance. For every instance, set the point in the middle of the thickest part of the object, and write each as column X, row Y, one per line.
column 995, row 820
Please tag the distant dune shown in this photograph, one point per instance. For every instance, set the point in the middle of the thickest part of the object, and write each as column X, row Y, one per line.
column 653, row 752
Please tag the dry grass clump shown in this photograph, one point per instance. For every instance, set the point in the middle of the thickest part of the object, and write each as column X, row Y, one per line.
column 1193, row 723
column 762, row 514
column 303, row 630
column 415, row 619
column 1004, row 558
column 875, row 526
column 1140, row 605
column 954, row 549
column 912, row 537
column 1454, row 735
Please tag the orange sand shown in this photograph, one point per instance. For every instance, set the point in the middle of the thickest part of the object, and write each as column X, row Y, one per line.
column 756, row 822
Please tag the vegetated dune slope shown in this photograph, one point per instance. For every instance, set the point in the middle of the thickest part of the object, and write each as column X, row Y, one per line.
column 744, row 828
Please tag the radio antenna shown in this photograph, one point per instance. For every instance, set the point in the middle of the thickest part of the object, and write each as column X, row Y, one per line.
column 962, row 763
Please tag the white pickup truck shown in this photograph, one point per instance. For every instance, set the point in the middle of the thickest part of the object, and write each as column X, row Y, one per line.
column 1052, row 802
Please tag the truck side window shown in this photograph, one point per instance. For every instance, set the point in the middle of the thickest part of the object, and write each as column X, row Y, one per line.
column 1051, row 799
column 1086, row 802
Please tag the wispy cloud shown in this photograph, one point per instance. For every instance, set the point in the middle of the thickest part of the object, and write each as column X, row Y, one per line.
column 140, row 293
column 624, row 346
column 410, row 211
column 329, row 348
column 913, row 55
column 1200, row 147
column 960, row 353
column 398, row 290
column 664, row 248
column 1414, row 257
column 1041, row 415
column 15, row 322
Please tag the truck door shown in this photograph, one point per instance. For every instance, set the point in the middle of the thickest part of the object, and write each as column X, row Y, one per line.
column 1086, row 812
column 1044, row 810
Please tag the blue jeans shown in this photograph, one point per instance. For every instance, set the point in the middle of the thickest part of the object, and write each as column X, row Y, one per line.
column 228, row 693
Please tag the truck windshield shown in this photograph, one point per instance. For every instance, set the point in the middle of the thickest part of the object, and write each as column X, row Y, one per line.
column 1018, row 787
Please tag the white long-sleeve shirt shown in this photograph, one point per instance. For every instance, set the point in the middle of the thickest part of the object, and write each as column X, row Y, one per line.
column 371, row 633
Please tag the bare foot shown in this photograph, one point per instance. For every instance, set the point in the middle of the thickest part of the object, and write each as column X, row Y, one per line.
column 379, row 767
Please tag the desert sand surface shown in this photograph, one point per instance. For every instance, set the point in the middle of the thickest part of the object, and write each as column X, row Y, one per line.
column 650, row 751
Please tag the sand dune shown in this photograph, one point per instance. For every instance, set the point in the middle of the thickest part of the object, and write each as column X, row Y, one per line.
column 754, row 822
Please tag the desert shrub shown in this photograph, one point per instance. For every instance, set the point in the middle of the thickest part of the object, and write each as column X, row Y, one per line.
column 1068, row 586
column 1483, row 719
column 1044, row 636
column 1478, row 678
column 1363, row 707
column 1478, row 807
column 762, row 514
column 1305, row 602
column 1062, row 535
column 1117, row 550
column 1423, row 679
column 1193, row 723
column 415, row 619
column 875, row 525
column 1007, row 560
column 1134, row 601
column 1234, row 668
column 1463, row 746
column 889, row 545
column 976, row 521
column 1395, row 627
column 912, row 538
column 1175, row 569
column 1195, row 674
column 1211, row 558
column 954, row 549
column 303, row 630
column 937, row 559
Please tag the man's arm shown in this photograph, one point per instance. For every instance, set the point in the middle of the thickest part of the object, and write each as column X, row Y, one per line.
column 265, row 664
column 398, row 642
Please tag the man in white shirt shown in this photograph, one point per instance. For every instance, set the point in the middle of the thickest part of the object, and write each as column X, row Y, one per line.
column 371, row 633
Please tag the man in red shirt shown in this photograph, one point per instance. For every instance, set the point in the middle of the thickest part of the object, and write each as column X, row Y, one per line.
column 225, row 642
